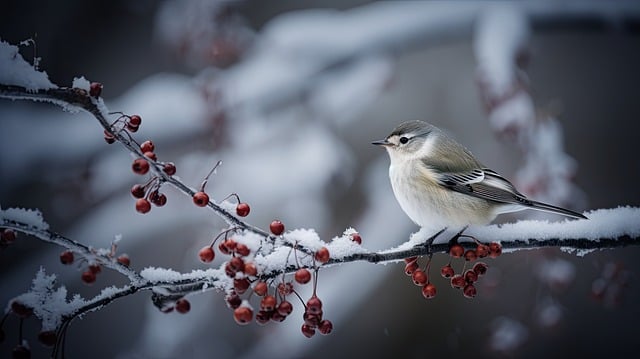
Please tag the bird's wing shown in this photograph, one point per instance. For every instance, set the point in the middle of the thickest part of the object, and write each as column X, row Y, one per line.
column 483, row 183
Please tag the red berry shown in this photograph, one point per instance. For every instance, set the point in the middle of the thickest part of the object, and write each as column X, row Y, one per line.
column 88, row 276
column 132, row 127
column 456, row 251
column 322, row 255
column 469, row 291
column 21, row 352
column 137, row 191
column 285, row 308
column 48, row 337
column 207, row 254
column 241, row 285
column 200, row 199
column 277, row 317
column 260, row 288
column 151, row 155
column 470, row 276
column 169, row 168
column 470, row 255
column 419, row 277
column 242, row 250
column 482, row 250
column 124, row 260
column 457, row 281
column 285, row 289
column 243, row 315
column 136, row 121
column 95, row 89
column 250, row 269
column 276, row 227
column 411, row 267
column 140, row 166
column 21, row 310
column 314, row 305
column 182, row 306
column 223, row 248
column 143, row 206
column 237, row 264
column 356, row 238
column 410, row 259
column 308, row 331
column 230, row 244
column 233, row 300
column 108, row 137
column 66, row 257
column 268, row 303
column 302, row 276
column 480, row 268
column 429, row 291
column 447, row 271
column 312, row 320
column 95, row 268
column 325, row 327
column 242, row 209
column 262, row 317
column 495, row 249
column 159, row 199
column 8, row 235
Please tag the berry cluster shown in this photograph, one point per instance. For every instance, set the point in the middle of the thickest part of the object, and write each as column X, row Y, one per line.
column 249, row 280
column 149, row 193
column 465, row 279
column 92, row 268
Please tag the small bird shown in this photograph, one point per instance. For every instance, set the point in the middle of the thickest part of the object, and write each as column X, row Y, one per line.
column 439, row 183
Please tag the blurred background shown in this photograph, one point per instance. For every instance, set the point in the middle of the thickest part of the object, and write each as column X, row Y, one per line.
column 289, row 95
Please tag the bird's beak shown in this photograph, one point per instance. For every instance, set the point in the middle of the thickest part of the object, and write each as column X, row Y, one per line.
column 382, row 143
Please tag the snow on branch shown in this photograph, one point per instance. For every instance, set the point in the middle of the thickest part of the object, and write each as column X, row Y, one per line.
column 606, row 228
column 18, row 72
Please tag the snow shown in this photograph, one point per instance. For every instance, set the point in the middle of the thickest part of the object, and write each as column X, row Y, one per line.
column 602, row 223
column 31, row 217
column 14, row 70
column 343, row 246
column 48, row 304
column 164, row 275
column 81, row 83
column 501, row 32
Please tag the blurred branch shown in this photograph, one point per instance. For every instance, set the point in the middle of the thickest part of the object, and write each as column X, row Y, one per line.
column 297, row 53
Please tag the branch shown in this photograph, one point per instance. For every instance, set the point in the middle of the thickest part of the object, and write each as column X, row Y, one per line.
column 80, row 99
column 344, row 251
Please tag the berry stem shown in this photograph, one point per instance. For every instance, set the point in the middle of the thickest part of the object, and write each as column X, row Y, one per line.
column 206, row 179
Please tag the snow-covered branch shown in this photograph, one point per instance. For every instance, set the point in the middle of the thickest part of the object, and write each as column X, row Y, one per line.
column 606, row 229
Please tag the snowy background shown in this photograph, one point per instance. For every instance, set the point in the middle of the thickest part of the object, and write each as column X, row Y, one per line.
column 290, row 96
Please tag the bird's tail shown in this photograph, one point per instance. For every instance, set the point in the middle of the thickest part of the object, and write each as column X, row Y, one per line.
column 553, row 209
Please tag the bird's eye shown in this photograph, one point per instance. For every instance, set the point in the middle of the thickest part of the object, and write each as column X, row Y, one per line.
column 404, row 140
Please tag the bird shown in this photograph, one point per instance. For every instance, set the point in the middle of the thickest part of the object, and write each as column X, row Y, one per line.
column 439, row 183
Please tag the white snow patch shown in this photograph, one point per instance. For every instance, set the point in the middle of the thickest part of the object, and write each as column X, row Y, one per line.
column 14, row 70
column 602, row 223
column 81, row 83
column 30, row 217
